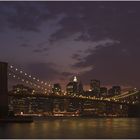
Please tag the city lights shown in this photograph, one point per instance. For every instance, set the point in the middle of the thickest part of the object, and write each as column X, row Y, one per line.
column 74, row 90
column 69, row 70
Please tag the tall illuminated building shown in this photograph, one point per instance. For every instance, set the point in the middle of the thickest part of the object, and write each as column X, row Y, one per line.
column 74, row 87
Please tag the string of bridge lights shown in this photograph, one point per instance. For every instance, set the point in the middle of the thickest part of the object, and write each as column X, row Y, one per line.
column 28, row 75
column 26, row 81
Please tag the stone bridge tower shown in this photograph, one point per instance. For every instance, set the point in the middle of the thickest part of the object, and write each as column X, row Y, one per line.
column 3, row 89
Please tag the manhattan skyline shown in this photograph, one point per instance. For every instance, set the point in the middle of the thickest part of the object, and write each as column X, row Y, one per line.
column 57, row 40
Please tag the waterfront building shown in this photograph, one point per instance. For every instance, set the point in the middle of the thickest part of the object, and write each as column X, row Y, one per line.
column 30, row 105
column 21, row 89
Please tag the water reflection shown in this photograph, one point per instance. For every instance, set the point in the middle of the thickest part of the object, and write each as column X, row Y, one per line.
column 73, row 128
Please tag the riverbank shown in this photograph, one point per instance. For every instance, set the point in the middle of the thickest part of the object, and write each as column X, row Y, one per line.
column 19, row 119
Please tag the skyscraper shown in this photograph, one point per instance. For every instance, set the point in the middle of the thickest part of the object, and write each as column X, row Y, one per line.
column 95, row 87
column 74, row 87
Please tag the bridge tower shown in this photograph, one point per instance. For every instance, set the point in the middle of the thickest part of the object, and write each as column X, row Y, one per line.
column 3, row 89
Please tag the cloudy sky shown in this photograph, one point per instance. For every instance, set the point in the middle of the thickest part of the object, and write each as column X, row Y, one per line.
column 56, row 40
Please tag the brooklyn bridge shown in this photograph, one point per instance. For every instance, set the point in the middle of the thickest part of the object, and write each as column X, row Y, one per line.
column 35, row 97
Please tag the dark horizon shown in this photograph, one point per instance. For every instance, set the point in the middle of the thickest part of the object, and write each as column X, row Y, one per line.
column 57, row 40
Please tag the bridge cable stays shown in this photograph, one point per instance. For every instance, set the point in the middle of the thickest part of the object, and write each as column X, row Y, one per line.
column 27, row 78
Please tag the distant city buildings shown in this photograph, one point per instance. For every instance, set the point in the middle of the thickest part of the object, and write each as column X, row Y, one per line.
column 73, row 88
column 21, row 89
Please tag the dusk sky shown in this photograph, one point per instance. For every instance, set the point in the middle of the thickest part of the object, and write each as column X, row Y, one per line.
column 56, row 40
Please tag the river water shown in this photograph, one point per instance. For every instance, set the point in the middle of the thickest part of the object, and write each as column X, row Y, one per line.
column 73, row 128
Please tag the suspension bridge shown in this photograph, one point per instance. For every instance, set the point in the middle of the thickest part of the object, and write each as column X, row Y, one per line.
column 44, row 89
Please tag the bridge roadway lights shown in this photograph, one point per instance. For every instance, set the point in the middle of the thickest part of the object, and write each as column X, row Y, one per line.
column 3, row 89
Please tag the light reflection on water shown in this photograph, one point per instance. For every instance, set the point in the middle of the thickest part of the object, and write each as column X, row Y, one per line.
column 73, row 128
